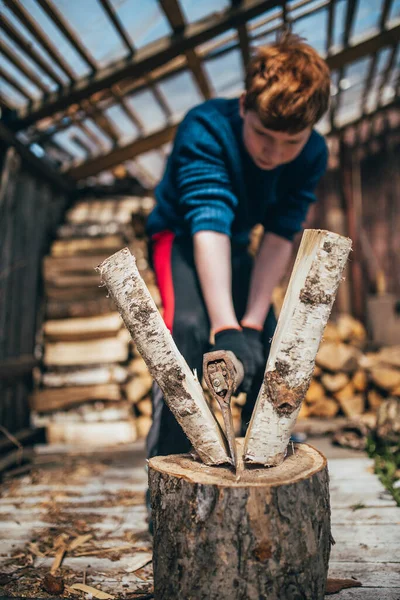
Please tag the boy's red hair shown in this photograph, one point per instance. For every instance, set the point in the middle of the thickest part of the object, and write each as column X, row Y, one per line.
column 287, row 85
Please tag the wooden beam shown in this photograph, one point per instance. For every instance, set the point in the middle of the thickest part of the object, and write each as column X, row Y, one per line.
column 387, row 73
column 120, row 155
column 58, row 19
column 244, row 44
column 348, row 27
column 15, row 84
column 101, row 120
column 145, row 59
column 177, row 21
column 38, row 165
column 330, row 26
column 114, row 18
column 21, row 66
column 155, row 140
column 385, row 13
column 243, row 38
column 22, row 43
column 31, row 25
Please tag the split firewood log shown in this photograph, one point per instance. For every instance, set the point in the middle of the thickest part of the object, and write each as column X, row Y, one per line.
column 55, row 399
column 325, row 408
column 333, row 382
column 388, row 422
column 331, row 333
column 107, row 350
column 350, row 329
column 143, row 425
column 351, row 403
column 92, row 434
column 91, row 376
column 315, row 392
column 386, row 378
column 312, row 288
column 109, row 243
column 337, row 357
column 138, row 387
column 107, row 325
column 144, row 407
column 360, row 381
column 375, row 399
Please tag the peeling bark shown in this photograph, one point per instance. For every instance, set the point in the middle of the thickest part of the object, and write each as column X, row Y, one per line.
column 263, row 534
column 180, row 387
column 316, row 275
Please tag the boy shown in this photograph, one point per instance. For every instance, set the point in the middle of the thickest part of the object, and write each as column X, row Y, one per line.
column 234, row 164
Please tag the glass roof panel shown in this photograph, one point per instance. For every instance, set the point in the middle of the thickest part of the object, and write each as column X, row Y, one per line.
column 103, row 138
column 89, row 21
column 296, row 12
column 143, row 20
column 218, row 42
column 273, row 14
column 350, row 105
column 64, row 139
column 153, row 162
column 29, row 62
column 126, row 128
column 32, row 41
column 194, row 10
column 366, row 19
column 182, row 93
column 149, row 110
column 313, row 29
column 323, row 125
column 339, row 23
column 226, row 73
column 15, row 98
column 25, row 83
column 356, row 71
column 394, row 15
column 78, row 65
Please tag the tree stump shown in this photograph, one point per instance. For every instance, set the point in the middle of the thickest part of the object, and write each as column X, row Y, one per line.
column 259, row 534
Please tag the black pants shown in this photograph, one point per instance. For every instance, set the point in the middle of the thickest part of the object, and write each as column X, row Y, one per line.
column 180, row 287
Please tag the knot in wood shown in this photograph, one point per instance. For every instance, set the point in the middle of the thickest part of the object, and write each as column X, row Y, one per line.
column 285, row 400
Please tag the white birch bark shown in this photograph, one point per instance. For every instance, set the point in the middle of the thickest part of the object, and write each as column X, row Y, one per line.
column 308, row 302
column 181, row 389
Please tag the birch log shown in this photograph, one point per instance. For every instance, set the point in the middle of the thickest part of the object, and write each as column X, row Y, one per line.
column 312, row 288
column 181, row 389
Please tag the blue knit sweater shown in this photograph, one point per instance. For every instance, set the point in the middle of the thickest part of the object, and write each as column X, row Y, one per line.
column 211, row 182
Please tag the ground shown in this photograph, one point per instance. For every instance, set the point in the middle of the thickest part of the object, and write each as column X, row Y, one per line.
column 88, row 509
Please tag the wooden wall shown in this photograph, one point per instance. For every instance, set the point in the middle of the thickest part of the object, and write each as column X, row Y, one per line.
column 30, row 209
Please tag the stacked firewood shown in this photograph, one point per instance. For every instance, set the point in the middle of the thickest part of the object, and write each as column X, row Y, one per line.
column 93, row 388
column 347, row 380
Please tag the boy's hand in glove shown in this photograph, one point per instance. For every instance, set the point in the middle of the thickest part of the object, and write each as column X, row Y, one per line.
column 236, row 341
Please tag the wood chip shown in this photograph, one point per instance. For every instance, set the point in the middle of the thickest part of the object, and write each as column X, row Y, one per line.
column 102, row 550
column 79, row 541
column 81, row 587
column 58, row 559
column 333, row 586
column 138, row 562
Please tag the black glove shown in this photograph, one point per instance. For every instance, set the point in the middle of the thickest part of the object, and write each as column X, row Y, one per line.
column 235, row 341
column 254, row 343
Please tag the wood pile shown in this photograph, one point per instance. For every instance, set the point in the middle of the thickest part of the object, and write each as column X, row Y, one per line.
column 347, row 380
column 93, row 388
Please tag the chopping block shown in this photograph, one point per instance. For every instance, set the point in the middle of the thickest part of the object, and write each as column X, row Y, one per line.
column 257, row 534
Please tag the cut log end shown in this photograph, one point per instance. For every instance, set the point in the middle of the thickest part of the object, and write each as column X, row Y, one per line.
column 252, row 527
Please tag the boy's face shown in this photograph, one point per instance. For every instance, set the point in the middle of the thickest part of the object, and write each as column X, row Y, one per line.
column 269, row 148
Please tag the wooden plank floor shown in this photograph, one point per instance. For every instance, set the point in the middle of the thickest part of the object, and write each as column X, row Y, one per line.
column 101, row 496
